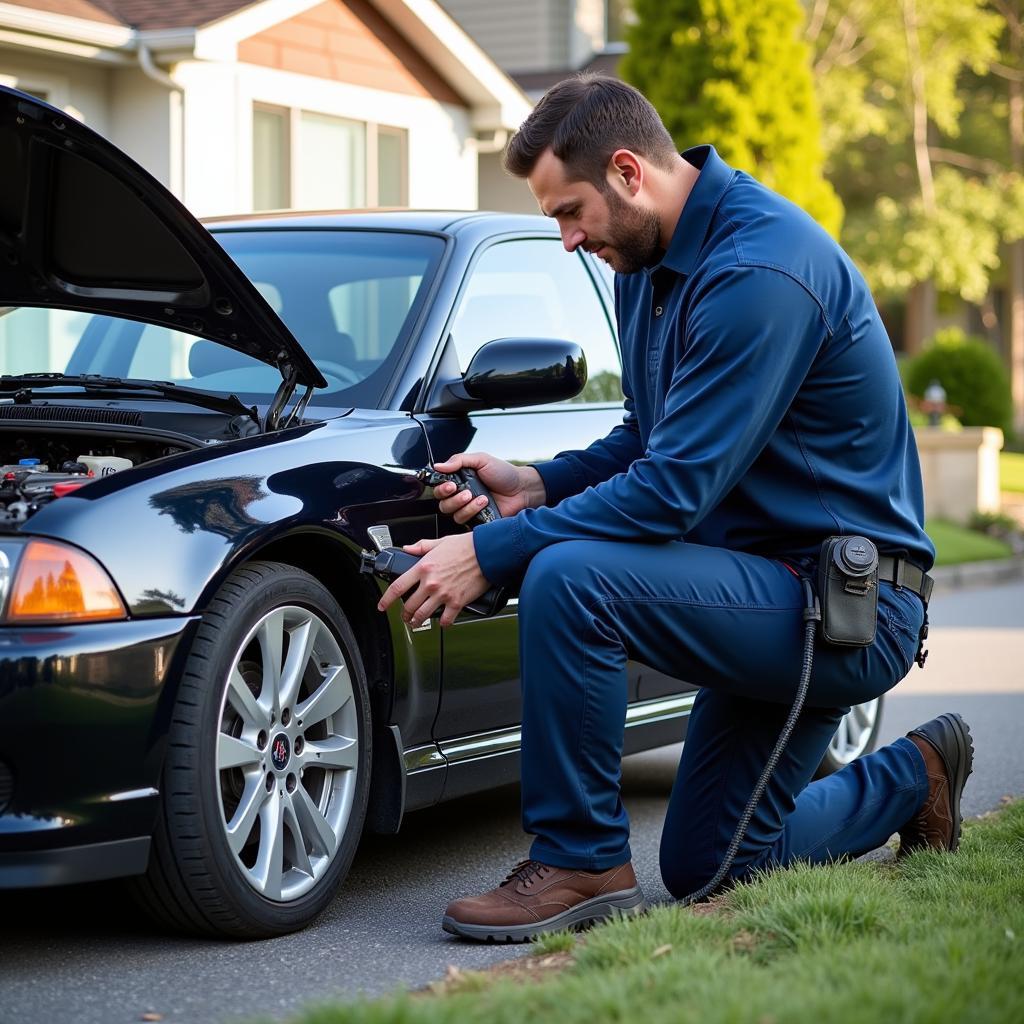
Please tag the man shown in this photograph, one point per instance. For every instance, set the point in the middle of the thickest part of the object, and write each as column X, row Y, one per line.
column 763, row 414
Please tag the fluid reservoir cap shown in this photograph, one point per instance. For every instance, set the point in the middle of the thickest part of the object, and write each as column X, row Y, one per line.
column 28, row 462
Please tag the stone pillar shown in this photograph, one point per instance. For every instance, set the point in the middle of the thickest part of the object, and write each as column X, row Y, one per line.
column 960, row 471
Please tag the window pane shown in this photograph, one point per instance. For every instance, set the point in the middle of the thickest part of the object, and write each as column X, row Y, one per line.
column 533, row 289
column 331, row 163
column 391, row 167
column 269, row 159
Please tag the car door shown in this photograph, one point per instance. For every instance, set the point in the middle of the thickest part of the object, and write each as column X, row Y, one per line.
column 526, row 288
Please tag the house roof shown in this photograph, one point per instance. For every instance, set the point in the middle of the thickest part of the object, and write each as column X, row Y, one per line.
column 212, row 30
column 141, row 14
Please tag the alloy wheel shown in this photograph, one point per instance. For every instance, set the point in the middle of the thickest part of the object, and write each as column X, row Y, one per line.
column 287, row 753
column 853, row 736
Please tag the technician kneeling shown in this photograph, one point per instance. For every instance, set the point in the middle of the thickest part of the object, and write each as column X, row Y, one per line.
column 764, row 414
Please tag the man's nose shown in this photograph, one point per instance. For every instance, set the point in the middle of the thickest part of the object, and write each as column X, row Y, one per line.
column 573, row 238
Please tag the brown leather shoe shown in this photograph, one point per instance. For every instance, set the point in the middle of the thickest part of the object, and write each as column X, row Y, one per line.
column 945, row 744
column 537, row 898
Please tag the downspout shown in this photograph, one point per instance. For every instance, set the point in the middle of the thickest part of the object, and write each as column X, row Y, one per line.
column 150, row 69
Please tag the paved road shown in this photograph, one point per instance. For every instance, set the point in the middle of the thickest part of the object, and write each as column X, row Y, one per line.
column 80, row 955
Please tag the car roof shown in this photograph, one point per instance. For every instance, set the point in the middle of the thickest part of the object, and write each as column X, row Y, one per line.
column 441, row 221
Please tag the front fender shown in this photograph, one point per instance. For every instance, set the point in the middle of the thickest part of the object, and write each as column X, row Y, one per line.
column 169, row 532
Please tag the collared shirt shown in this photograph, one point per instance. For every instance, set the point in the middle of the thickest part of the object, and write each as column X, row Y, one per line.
column 764, row 411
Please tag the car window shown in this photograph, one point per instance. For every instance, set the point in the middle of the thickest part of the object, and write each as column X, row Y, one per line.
column 371, row 311
column 349, row 297
column 533, row 288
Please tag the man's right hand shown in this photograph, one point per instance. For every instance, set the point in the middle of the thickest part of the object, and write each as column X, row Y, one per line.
column 512, row 487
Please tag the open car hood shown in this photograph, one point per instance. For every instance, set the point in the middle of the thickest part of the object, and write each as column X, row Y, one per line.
column 82, row 226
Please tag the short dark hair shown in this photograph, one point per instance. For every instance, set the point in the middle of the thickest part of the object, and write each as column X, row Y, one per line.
column 584, row 119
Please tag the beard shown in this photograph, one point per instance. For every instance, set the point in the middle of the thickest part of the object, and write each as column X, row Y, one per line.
column 634, row 236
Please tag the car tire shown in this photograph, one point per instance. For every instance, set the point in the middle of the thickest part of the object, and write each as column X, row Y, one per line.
column 857, row 735
column 262, row 808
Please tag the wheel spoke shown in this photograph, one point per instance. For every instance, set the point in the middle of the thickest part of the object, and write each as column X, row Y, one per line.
column 329, row 697
column 856, row 731
column 269, row 868
column 334, row 752
column 300, row 648
column 240, row 826
column 842, row 736
column 864, row 714
column 313, row 824
column 243, row 701
column 234, row 753
column 271, row 640
column 300, row 858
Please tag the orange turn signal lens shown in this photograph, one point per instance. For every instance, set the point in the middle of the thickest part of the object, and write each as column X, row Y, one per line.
column 56, row 583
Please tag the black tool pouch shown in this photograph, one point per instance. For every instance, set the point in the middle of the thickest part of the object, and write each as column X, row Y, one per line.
column 848, row 591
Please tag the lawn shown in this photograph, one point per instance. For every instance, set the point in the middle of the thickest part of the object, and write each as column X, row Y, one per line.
column 1011, row 471
column 955, row 544
column 933, row 938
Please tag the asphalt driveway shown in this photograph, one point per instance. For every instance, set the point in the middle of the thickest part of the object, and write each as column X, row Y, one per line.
column 82, row 955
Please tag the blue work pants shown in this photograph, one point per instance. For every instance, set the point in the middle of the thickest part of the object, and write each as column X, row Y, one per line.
column 732, row 624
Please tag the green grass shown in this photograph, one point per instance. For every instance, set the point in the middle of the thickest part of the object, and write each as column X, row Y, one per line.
column 931, row 939
column 1011, row 471
column 955, row 544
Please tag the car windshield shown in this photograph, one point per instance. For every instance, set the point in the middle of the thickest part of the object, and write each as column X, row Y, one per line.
column 349, row 297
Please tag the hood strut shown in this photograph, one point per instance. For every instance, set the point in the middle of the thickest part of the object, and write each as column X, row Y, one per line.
column 284, row 392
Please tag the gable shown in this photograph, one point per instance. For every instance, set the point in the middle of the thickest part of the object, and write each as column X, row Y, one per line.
column 348, row 41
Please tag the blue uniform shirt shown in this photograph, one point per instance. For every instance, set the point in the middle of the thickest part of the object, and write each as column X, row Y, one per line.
column 763, row 409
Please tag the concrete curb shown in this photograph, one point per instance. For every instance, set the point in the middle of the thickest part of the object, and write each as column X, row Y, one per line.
column 977, row 574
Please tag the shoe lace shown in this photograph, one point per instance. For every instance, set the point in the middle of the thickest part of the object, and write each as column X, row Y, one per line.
column 524, row 871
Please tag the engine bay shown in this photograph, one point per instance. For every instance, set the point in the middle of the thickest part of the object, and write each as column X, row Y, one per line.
column 37, row 468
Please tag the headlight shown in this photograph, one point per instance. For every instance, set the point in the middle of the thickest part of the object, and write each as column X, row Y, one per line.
column 53, row 582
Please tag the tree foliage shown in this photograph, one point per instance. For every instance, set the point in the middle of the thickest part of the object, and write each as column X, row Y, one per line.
column 918, row 207
column 736, row 75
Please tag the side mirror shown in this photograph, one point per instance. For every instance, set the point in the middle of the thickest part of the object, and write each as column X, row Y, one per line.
column 512, row 372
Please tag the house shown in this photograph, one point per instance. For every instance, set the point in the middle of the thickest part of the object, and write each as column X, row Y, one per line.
column 240, row 106
column 538, row 43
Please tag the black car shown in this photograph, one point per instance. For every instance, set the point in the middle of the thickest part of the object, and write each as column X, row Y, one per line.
column 200, row 427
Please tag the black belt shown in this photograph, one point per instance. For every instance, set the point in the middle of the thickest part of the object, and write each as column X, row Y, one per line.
column 902, row 573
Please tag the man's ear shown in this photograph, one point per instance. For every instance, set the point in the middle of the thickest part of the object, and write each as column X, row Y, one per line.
column 625, row 171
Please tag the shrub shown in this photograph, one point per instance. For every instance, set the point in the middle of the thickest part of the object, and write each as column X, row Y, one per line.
column 976, row 383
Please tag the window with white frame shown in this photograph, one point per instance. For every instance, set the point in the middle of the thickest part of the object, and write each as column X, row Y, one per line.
column 309, row 160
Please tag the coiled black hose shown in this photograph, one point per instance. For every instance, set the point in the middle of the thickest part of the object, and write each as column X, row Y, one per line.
column 812, row 616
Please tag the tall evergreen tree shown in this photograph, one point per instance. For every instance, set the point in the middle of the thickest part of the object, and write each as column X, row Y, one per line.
column 737, row 75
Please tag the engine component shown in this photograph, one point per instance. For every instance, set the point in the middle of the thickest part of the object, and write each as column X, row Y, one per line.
column 26, row 487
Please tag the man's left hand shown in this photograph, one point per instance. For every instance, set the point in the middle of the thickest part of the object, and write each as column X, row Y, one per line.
column 448, row 574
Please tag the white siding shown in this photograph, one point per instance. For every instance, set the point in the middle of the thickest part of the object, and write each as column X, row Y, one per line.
column 144, row 123
column 218, row 142
column 82, row 89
